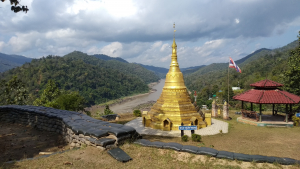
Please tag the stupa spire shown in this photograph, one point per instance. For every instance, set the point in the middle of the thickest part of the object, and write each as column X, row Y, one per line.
column 174, row 62
column 174, row 104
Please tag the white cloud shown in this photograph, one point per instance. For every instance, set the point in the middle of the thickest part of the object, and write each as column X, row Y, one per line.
column 164, row 47
column 237, row 21
column 1, row 45
column 114, row 49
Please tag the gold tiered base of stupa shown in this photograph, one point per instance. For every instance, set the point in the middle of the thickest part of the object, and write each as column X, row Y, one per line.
column 174, row 105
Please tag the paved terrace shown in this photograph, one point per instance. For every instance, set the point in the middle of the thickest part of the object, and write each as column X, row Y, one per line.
column 215, row 128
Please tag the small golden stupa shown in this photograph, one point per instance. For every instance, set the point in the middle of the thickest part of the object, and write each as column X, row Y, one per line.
column 174, row 105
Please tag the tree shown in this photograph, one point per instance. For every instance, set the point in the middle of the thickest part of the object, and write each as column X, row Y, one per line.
column 292, row 74
column 225, row 94
column 50, row 93
column 52, row 96
column 69, row 101
column 215, row 89
column 107, row 111
column 14, row 91
column 16, row 8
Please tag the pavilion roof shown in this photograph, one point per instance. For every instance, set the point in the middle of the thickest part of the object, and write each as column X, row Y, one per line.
column 266, row 84
column 268, row 97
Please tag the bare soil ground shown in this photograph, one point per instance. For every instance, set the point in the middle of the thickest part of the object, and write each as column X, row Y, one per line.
column 242, row 138
column 19, row 142
column 142, row 157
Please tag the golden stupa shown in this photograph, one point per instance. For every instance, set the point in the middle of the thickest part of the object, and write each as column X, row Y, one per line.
column 174, row 105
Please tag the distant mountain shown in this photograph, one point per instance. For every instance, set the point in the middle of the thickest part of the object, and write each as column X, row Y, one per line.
column 105, row 57
column 161, row 72
column 254, row 55
column 189, row 70
column 113, row 63
column 11, row 61
column 255, row 66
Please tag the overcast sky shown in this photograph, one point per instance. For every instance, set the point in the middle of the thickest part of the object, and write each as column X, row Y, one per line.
column 207, row 31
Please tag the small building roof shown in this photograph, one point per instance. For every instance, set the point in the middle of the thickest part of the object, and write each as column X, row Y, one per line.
column 268, row 97
column 266, row 84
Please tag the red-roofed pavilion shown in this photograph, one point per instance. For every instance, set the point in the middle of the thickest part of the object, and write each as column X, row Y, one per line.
column 267, row 92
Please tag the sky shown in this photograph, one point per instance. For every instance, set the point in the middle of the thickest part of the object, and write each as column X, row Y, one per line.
column 142, row 31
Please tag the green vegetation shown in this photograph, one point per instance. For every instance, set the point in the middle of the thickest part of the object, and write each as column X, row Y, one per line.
column 96, row 84
column 126, row 68
column 52, row 96
column 184, row 138
column 137, row 113
column 296, row 120
column 196, row 137
column 292, row 74
column 14, row 91
column 264, row 63
column 107, row 111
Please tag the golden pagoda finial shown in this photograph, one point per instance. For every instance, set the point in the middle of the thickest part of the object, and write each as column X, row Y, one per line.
column 174, row 51
column 174, row 30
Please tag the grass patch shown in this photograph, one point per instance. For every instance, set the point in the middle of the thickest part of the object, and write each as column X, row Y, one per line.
column 247, row 139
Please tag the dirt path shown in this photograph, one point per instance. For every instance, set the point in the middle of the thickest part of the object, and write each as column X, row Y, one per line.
column 19, row 142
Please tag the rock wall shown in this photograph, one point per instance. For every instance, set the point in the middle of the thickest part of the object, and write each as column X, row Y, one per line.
column 75, row 128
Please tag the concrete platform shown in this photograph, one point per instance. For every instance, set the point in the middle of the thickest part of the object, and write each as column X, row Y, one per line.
column 215, row 128
column 267, row 121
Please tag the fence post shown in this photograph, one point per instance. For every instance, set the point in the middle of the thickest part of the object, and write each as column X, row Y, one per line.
column 192, row 131
column 182, row 132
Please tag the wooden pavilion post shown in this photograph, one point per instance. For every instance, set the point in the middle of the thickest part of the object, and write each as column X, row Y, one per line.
column 260, row 112
column 286, row 113
column 290, row 109
column 242, row 105
column 251, row 106
column 273, row 107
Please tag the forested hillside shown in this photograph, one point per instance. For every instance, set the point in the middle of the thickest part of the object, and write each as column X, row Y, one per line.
column 105, row 57
column 161, row 72
column 95, row 83
column 126, row 68
column 257, row 66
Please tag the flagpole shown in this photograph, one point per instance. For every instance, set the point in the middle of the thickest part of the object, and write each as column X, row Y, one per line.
column 228, row 85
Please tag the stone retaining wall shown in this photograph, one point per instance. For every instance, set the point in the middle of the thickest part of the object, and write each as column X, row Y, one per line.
column 75, row 128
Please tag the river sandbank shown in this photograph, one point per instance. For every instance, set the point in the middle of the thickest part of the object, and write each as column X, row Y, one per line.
column 99, row 108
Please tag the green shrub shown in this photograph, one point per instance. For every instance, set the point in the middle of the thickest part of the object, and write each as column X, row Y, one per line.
column 88, row 113
column 196, row 137
column 296, row 120
column 137, row 113
column 107, row 111
column 184, row 138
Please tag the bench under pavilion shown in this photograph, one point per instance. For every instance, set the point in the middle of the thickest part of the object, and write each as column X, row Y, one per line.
column 267, row 92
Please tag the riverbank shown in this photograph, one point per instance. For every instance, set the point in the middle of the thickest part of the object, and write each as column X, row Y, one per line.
column 96, row 108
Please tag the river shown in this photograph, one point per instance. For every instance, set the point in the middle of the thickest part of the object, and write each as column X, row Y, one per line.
column 127, row 106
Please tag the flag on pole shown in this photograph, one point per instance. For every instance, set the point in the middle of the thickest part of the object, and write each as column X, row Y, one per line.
column 233, row 65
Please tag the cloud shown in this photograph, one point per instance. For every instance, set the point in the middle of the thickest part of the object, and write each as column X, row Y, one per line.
column 1, row 45
column 114, row 49
column 141, row 31
column 237, row 21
